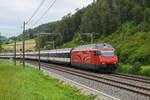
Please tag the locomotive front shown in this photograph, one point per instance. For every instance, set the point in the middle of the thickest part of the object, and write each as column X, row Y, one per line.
column 105, row 58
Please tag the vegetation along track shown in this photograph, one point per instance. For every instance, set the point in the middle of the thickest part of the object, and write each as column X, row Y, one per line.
column 145, row 91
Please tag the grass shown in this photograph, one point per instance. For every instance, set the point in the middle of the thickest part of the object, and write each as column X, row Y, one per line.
column 17, row 83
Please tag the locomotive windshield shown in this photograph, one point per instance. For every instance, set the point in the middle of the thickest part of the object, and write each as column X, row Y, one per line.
column 105, row 53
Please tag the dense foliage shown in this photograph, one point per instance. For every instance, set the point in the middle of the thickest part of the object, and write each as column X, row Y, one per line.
column 131, row 43
column 136, row 69
column 123, row 23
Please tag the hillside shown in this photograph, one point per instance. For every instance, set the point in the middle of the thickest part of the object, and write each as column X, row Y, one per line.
column 123, row 23
column 3, row 38
column 131, row 43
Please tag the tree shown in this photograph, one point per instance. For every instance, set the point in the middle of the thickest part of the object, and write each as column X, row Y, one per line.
column 147, row 15
column 137, row 14
column 1, row 43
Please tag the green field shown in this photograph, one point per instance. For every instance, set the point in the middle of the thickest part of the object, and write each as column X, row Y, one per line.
column 29, row 45
column 17, row 83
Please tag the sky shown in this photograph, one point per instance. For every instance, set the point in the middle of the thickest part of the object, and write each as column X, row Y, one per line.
column 14, row 12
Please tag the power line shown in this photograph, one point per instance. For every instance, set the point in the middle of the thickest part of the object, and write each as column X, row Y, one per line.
column 44, row 13
column 42, row 2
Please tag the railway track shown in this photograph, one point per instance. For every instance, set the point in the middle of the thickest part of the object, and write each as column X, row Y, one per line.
column 132, row 77
column 145, row 91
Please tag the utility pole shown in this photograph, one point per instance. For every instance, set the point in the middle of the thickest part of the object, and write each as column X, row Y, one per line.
column 53, row 44
column 15, row 51
column 39, row 52
column 23, row 44
column 91, row 36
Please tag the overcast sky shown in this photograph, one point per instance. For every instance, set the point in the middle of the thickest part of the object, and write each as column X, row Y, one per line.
column 14, row 12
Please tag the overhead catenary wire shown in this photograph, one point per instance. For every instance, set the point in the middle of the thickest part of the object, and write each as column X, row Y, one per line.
column 34, row 13
column 45, row 12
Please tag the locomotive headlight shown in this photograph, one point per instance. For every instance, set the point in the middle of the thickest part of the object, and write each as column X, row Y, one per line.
column 115, row 62
column 103, row 63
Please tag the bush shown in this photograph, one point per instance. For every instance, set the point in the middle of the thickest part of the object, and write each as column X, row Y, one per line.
column 136, row 68
column 123, row 68
column 145, row 71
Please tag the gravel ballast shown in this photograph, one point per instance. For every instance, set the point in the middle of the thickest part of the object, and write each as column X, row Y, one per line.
column 113, row 91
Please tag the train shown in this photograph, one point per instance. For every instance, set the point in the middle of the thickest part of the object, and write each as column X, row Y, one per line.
column 99, row 57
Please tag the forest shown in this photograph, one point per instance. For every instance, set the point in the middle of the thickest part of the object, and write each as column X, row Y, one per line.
column 125, row 24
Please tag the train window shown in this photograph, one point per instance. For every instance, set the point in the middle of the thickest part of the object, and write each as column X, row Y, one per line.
column 61, row 55
column 64, row 55
column 53, row 55
column 97, row 53
column 68, row 55
column 56, row 55
column 44, row 55
column 108, row 53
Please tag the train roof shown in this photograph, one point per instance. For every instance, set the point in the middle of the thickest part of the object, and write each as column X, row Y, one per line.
column 93, row 46
column 65, row 50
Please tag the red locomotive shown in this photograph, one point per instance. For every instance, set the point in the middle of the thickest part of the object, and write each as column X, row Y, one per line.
column 95, row 56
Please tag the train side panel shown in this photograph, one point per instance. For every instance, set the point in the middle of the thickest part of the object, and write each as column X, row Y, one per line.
column 83, row 59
